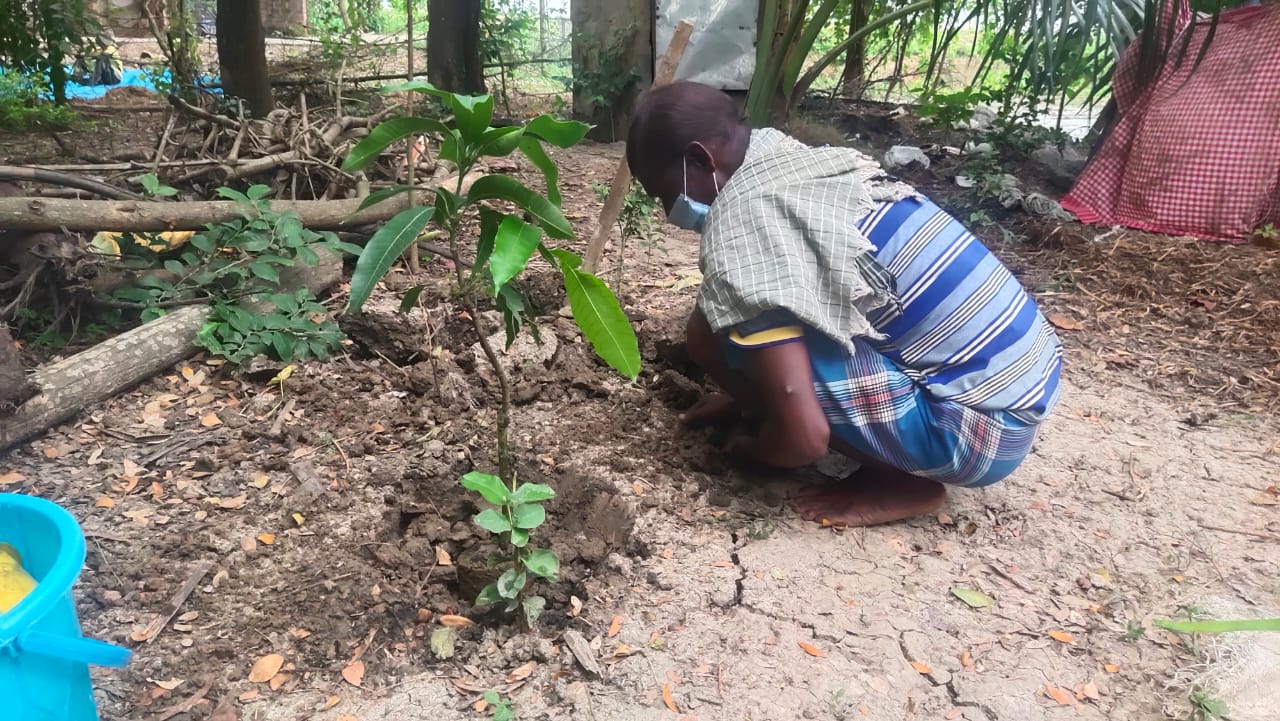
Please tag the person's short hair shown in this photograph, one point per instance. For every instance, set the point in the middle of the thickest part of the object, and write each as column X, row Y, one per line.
column 670, row 117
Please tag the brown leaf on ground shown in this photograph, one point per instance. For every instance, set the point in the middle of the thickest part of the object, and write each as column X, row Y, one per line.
column 453, row 621
column 1110, row 668
column 249, row 695
column 812, row 650
column 442, row 557
column 331, row 702
column 1088, row 691
column 278, row 680
column 921, row 667
column 210, row 420
column 1060, row 696
column 615, row 626
column 668, row 699
column 1062, row 637
column 105, row 502
column 966, row 660
column 51, row 452
column 267, row 538
column 575, row 606
column 354, row 673
column 299, row 632
column 522, row 672
column 10, row 478
column 1064, row 322
column 265, row 668
column 233, row 504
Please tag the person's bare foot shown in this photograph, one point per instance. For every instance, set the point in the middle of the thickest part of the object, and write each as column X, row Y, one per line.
column 868, row 498
column 711, row 409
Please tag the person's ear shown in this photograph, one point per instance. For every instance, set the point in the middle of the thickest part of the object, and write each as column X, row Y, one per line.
column 699, row 156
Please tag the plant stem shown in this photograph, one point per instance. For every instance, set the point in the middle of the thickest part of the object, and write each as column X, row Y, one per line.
column 506, row 467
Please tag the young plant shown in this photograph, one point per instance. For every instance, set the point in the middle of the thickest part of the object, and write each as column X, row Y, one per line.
column 637, row 221
column 505, row 244
column 233, row 261
column 503, row 708
column 514, row 517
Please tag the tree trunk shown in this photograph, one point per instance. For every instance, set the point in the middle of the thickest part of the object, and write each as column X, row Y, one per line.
column 242, row 54
column 91, row 216
column 15, row 387
column 855, row 61
column 453, row 46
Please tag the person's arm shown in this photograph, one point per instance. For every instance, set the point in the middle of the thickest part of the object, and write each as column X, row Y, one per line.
column 795, row 431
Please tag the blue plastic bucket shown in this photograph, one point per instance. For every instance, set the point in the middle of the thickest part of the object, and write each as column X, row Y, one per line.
column 44, row 661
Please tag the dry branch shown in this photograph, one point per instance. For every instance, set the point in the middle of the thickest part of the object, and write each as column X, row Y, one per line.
column 66, row 180
column 50, row 214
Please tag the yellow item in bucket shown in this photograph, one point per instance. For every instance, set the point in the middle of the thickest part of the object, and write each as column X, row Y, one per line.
column 108, row 242
column 15, row 582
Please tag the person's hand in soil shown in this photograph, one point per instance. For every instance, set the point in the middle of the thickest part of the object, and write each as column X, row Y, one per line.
column 711, row 409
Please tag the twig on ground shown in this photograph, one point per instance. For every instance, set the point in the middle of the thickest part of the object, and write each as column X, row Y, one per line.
column 1243, row 532
column 158, row 624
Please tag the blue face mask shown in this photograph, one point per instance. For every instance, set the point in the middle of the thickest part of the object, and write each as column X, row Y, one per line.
column 688, row 213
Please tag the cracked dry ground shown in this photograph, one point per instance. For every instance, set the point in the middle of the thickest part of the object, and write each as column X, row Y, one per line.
column 714, row 601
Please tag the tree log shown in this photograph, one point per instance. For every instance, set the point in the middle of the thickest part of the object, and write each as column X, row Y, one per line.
column 90, row 216
column 115, row 365
column 43, row 175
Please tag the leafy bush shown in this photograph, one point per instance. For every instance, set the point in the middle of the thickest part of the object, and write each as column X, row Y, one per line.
column 25, row 104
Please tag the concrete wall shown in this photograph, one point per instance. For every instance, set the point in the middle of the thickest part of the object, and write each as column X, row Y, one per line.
column 597, row 26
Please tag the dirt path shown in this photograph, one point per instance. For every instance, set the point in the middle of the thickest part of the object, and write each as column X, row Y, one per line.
column 330, row 540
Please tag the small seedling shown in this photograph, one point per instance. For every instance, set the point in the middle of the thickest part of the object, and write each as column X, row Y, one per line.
column 517, row 512
column 1204, row 707
column 503, row 708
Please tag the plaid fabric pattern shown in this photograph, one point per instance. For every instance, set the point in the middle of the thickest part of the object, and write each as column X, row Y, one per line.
column 1194, row 153
column 782, row 234
column 882, row 412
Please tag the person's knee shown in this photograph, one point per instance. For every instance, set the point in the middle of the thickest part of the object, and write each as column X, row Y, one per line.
column 701, row 342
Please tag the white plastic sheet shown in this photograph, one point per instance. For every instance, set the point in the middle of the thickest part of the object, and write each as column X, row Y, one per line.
column 722, row 51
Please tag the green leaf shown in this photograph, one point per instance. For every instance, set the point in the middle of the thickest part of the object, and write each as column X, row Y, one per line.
column 515, row 312
column 972, row 598
column 533, row 150
column 529, row 516
column 560, row 133
column 283, row 344
column 519, row 537
column 542, row 563
column 492, row 521
column 499, row 142
column 491, row 697
column 533, row 607
column 381, row 137
column 175, row 267
column 258, row 192
column 490, row 487
column 165, row 191
column 416, row 86
column 472, row 113
column 599, row 315
column 233, row 194
column 410, row 298
column 452, row 147
column 502, row 187
column 533, row 493
column 150, row 183
column 444, row 639
column 511, row 583
column 489, row 222
column 514, row 243
column 265, row 271
column 1250, row 624
column 381, row 252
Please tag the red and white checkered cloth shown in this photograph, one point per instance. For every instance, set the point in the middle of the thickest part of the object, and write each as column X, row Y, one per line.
column 1194, row 153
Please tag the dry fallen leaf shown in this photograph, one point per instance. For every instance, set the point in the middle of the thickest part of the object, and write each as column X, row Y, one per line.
column 668, row 700
column 812, row 650
column 347, row 717
column 232, row 504
column 480, row 705
column 299, row 519
column 674, row 678
column 210, row 420
column 354, row 673
column 332, row 701
column 453, row 621
column 522, row 672
column 1061, row 697
column 260, row 480
column 265, row 668
column 1111, row 668
column 169, row 685
column 966, row 661
column 1062, row 637
column 249, row 695
column 10, row 478
column 575, row 606
column 299, row 632
column 615, row 626
column 953, row 714
column 267, row 538
column 921, row 667
column 1089, row 691
column 248, row 544
column 1064, row 322
column 277, row 681
column 105, row 502
column 442, row 557
column 50, row 452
